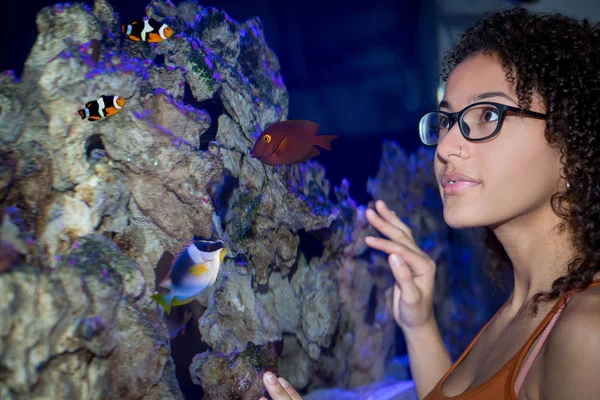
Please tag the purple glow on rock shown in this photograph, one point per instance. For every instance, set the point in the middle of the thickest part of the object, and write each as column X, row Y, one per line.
column 181, row 84
column 137, row 115
column 128, row 68
column 255, row 31
column 58, row 9
column 194, row 45
column 57, row 257
column 170, row 4
column 75, row 245
column 183, row 70
column 242, row 32
column 104, row 273
column 147, row 61
column 147, row 113
column 170, row 68
column 208, row 62
column 217, row 76
column 161, row 91
column 178, row 35
column 277, row 80
column 198, row 18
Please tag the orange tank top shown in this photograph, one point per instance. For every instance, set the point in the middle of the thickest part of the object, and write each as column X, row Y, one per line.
column 507, row 382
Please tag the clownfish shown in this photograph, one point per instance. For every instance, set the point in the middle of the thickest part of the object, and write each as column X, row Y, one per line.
column 147, row 30
column 290, row 142
column 194, row 268
column 105, row 106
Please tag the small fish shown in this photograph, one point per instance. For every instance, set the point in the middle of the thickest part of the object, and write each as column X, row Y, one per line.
column 147, row 30
column 194, row 268
column 105, row 106
column 290, row 142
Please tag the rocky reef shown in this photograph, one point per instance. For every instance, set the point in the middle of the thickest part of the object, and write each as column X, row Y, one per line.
column 91, row 208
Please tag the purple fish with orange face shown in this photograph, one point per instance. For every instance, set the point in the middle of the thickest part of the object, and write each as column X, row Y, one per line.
column 290, row 142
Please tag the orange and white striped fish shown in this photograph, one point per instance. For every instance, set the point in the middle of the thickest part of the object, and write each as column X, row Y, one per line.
column 147, row 30
column 105, row 106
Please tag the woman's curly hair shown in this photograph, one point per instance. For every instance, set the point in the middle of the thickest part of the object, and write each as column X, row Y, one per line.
column 559, row 58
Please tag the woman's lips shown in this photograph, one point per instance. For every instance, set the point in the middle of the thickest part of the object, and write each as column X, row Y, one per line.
column 458, row 187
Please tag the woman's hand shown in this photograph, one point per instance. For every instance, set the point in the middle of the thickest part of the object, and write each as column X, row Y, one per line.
column 413, row 269
column 279, row 389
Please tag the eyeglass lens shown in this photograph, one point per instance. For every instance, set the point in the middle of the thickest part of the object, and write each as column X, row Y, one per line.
column 477, row 122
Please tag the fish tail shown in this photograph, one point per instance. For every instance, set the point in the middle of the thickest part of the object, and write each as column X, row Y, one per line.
column 82, row 113
column 324, row 141
column 163, row 301
column 123, row 28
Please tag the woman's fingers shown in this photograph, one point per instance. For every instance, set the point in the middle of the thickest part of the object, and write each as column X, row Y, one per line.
column 387, row 246
column 392, row 218
column 391, row 230
column 410, row 293
column 289, row 389
column 279, row 389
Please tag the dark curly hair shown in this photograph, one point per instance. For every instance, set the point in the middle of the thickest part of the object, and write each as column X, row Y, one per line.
column 559, row 58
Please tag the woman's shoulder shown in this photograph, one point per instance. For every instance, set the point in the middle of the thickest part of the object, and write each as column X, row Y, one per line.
column 572, row 354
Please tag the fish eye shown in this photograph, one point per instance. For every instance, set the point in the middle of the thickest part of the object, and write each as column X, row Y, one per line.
column 266, row 138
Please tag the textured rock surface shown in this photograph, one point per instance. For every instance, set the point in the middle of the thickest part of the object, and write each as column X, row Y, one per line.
column 80, row 332
column 242, row 372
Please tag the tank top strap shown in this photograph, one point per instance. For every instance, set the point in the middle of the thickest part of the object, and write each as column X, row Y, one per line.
column 518, row 374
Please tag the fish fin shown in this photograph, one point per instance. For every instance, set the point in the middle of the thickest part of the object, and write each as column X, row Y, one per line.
column 312, row 153
column 160, row 299
column 153, row 38
column 110, row 111
column 134, row 38
column 94, row 117
column 324, row 141
column 89, row 104
column 198, row 269
column 282, row 146
column 180, row 249
column 303, row 128
column 177, row 302
column 222, row 256
column 123, row 28
column 166, row 283
column 82, row 113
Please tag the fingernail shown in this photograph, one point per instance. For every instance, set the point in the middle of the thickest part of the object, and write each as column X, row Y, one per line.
column 283, row 382
column 270, row 378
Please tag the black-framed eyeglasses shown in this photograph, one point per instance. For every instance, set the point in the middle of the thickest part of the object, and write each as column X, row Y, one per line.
column 477, row 122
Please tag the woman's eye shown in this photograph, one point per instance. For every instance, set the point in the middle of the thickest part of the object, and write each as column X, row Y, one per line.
column 489, row 116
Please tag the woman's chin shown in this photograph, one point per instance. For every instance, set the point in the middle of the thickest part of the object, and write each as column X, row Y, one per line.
column 457, row 220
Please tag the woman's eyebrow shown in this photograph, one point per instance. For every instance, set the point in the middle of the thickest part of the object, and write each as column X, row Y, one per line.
column 487, row 95
column 479, row 97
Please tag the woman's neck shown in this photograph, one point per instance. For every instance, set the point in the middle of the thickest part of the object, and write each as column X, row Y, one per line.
column 538, row 251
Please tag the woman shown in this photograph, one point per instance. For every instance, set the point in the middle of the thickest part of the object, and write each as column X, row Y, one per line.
column 518, row 152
